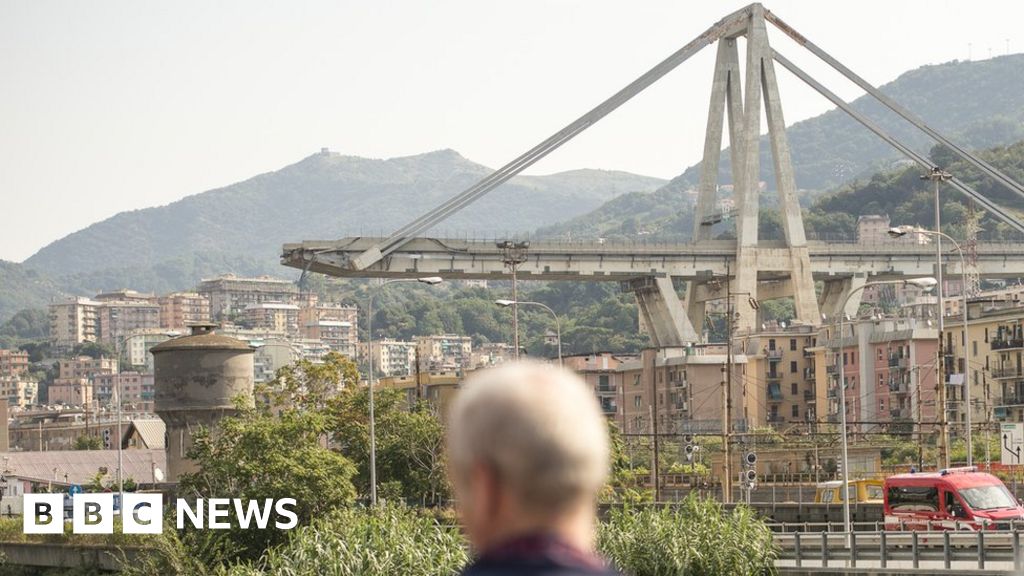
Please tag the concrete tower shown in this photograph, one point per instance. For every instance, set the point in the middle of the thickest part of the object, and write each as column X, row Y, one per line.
column 198, row 379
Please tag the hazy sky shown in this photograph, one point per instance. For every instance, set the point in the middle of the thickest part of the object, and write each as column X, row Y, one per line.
column 113, row 106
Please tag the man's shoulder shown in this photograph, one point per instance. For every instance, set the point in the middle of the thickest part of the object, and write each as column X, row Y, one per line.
column 523, row 568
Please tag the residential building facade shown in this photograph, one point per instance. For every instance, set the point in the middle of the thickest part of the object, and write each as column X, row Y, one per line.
column 230, row 294
column 444, row 352
column 72, row 322
column 181, row 309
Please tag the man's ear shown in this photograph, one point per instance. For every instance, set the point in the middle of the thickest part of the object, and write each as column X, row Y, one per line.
column 485, row 480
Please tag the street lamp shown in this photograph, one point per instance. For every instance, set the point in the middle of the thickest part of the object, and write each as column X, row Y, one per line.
column 558, row 325
column 923, row 283
column 430, row 281
column 901, row 231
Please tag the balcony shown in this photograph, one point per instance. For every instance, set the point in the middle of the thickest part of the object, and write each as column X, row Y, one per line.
column 606, row 388
column 610, row 408
column 831, row 369
column 1007, row 343
column 678, row 383
column 808, row 374
column 808, row 396
column 774, row 375
column 774, row 355
column 1007, row 372
column 808, row 353
column 894, row 360
column 897, row 413
column 774, row 393
column 1011, row 400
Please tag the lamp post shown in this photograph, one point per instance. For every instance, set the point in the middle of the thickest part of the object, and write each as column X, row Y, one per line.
column 558, row 325
column 431, row 281
column 512, row 255
column 900, row 231
column 924, row 283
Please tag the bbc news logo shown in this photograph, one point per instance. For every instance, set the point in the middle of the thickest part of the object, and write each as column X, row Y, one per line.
column 144, row 513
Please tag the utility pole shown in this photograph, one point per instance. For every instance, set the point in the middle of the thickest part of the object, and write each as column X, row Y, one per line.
column 727, row 400
column 938, row 176
column 655, row 472
column 512, row 255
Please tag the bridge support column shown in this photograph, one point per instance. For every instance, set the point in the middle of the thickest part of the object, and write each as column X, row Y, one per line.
column 835, row 292
column 662, row 312
column 760, row 87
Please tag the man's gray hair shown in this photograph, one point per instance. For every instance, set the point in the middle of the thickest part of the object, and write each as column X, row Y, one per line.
column 541, row 429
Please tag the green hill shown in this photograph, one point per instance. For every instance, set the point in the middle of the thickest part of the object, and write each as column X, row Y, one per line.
column 978, row 103
column 241, row 227
column 22, row 287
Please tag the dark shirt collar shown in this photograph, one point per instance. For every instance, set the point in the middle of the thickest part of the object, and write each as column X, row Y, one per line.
column 546, row 547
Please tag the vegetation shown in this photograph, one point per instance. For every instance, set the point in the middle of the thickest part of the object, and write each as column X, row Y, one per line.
column 695, row 537
column 241, row 227
column 88, row 443
column 275, row 451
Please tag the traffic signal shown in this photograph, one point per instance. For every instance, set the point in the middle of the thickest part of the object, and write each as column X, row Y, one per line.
column 750, row 476
column 750, row 459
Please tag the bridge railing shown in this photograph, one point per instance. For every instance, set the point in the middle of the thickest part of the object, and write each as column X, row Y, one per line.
column 920, row 550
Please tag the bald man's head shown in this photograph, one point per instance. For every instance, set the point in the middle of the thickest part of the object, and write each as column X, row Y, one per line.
column 538, row 428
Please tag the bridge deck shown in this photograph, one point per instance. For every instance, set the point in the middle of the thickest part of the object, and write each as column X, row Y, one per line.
column 595, row 261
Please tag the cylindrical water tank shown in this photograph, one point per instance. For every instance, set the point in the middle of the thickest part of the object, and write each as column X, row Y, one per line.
column 198, row 379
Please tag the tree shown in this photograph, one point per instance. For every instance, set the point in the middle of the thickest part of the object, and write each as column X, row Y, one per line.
column 88, row 443
column 410, row 444
column 95, row 350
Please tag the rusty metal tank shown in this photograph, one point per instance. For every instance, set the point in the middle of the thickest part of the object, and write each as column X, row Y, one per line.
column 198, row 379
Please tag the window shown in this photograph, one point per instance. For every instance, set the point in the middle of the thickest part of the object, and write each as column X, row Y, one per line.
column 974, row 348
column 771, row 344
column 844, row 359
column 793, row 389
column 636, row 400
column 879, row 353
column 796, row 411
column 914, row 498
column 792, row 367
column 792, row 343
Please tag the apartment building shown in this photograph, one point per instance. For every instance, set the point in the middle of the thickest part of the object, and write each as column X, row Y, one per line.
column 274, row 316
column 782, row 361
column 444, row 352
column 391, row 357
column 229, row 294
column 70, row 392
column 681, row 391
column 118, row 318
column 135, row 388
column 13, row 363
column 601, row 372
column 20, row 392
column 334, row 324
column 491, row 354
column 137, row 344
column 72, row 322
column 888, row 366
column 181, row 309
column 85, row 367
column 995, row 349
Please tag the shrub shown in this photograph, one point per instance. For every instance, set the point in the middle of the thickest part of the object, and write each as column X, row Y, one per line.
column 392, row 539
column 696, row 537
